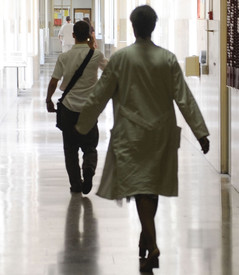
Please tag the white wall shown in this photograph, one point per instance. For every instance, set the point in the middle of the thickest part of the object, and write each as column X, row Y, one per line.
column 206, row 90
column 82, row 4
column 234, row 95
column 180, row 31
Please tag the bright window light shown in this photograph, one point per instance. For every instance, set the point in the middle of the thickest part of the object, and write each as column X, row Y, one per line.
column 109, row 21
column 98, row 24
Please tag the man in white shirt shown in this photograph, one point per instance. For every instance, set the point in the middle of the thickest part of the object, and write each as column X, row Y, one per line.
column 65, row 35
column 73, row 102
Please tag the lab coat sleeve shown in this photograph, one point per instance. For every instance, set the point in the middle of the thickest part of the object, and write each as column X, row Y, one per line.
column 187, row 103
column 102, row 93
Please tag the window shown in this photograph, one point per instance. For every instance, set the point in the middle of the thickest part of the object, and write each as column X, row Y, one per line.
column 110, row 21
column 98, row 16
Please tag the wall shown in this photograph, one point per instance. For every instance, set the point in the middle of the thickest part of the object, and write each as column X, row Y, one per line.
column 234, row 99
column 234, row 114
column 206, row 89
column 82, row 4
column 185, row 35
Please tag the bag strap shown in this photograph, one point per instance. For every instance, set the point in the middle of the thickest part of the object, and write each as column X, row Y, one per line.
column 78, row 73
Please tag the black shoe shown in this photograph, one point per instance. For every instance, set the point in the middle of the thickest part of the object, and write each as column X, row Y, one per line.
column 88, row 174
column 75, row 190
column 87, row 186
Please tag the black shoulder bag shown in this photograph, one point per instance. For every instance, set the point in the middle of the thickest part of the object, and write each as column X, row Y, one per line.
column 76, row 76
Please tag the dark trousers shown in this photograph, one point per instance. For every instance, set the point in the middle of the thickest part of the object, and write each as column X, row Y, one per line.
column 72, row 142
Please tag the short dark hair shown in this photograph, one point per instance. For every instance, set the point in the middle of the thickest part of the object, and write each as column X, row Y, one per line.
column 86, row 19
column 81, row 30
column 143, row 19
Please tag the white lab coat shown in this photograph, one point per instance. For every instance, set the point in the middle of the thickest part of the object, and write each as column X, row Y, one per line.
column 66, row 37
column 143, row 81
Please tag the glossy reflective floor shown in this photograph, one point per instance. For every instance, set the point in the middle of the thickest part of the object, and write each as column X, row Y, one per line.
column 44, row 230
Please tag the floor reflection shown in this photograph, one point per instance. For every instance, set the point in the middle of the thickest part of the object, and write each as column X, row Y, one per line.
column 44, row 230
column 227, row 245
column 81, row 246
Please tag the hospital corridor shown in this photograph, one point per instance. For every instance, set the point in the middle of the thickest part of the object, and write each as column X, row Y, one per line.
column 47, row 230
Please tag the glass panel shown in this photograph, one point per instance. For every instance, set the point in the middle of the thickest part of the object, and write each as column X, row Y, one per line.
column 98, row 17
column 109, row 21
column 19, row 35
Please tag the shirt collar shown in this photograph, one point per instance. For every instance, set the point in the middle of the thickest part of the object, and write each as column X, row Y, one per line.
column 142, row 41
column 75, row 46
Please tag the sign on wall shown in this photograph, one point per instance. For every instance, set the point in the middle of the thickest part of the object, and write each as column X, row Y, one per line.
column 79, row 14
column 201, row 9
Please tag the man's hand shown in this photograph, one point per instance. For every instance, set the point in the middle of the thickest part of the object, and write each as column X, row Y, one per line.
column 204, row 142
column 50, row 106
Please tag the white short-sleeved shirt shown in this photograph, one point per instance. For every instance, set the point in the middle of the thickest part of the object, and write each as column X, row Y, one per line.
column 66, row 65
column 66, row 32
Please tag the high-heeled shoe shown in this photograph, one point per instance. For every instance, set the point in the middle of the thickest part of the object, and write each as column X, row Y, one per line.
column 151, row 261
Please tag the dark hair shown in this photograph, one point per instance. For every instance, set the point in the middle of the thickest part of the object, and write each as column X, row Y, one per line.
column 143, row 19
column 86, row 19
column 81, row 30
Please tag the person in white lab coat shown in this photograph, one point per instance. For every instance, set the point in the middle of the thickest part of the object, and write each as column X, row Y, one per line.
column 144, row 81
column 66, row 35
